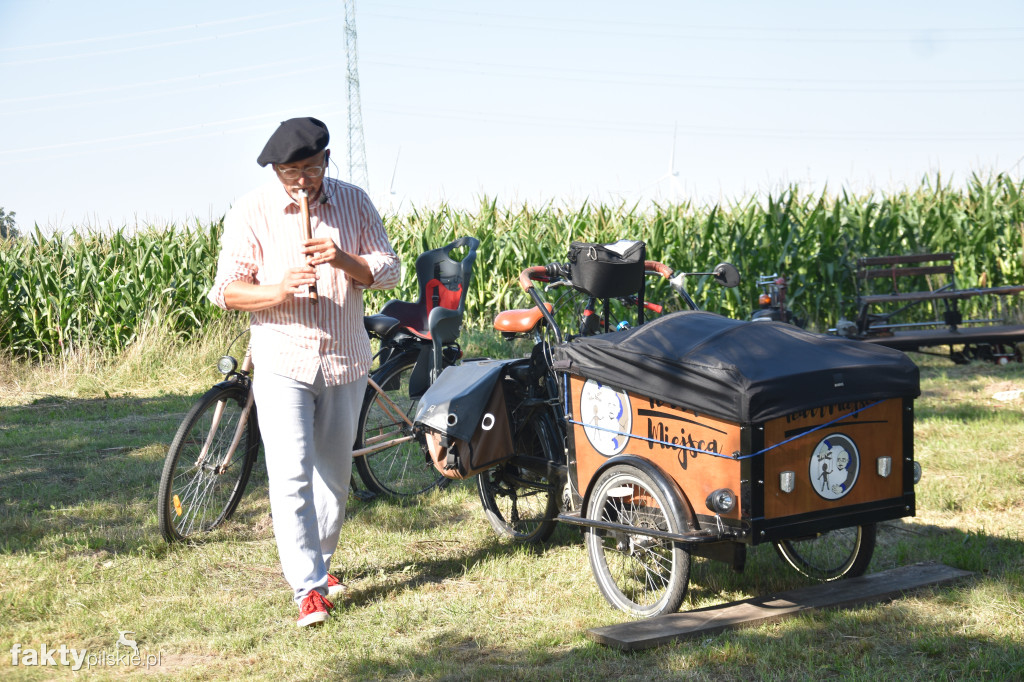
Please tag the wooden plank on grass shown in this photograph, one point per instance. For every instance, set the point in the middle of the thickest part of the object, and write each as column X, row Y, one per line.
column 876, row 587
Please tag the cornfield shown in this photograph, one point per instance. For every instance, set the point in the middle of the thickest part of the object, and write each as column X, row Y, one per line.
column 94, row 289
column 100, row 289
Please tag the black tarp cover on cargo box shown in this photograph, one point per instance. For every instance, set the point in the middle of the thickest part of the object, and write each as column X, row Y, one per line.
column 741, row 371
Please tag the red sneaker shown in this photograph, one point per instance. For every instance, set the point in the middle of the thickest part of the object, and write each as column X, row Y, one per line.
column 334, row 586
column 314, row 609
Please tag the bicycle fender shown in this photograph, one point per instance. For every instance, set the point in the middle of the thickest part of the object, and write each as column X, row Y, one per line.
column 238, row 380
column 419, row 381
column 681, row 506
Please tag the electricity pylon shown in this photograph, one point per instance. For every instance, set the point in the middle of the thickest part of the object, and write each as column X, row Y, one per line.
column 357, row 174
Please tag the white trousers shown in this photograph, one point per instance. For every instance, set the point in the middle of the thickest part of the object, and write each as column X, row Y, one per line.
column 308, row 431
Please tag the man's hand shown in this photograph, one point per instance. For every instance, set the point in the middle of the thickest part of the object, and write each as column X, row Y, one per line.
column 296, row 281
column 319, row 251
column 250, row 297
column 324, row 250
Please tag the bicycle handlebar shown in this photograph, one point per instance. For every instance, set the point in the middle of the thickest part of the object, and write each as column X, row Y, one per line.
column 552, row 271
column 559, row 273
column 658, row 268
column 534, row 272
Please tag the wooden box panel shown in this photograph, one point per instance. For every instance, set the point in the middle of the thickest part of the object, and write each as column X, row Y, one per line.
column 835, row 466
column 678, row 441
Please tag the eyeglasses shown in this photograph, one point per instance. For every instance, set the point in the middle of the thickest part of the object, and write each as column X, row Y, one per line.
column 311, row 172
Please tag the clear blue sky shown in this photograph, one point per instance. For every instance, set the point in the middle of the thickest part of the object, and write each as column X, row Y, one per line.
column 115, row 112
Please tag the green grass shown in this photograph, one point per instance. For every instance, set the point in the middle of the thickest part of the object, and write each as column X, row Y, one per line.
column 433, row 593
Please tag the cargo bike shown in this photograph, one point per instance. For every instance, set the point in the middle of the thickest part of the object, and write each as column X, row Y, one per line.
column 688, row 435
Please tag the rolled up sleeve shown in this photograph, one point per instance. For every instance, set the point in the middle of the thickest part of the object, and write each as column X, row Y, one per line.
column 238, row 261
column 386, row 269
column 376, row 249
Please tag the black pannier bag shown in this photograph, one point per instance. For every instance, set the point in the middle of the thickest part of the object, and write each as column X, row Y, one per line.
column 608, row 270
column 464, row 419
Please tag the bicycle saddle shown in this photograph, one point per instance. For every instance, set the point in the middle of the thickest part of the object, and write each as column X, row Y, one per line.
column 380, row 325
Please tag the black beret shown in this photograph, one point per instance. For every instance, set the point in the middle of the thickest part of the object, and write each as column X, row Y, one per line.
column 294, row 140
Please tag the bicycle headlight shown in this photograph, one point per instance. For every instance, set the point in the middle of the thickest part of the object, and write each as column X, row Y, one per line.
column 721, row 501
column 226, row 365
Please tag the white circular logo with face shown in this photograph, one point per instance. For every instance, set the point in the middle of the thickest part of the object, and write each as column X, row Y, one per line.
column 607, row 417
column 834, row 466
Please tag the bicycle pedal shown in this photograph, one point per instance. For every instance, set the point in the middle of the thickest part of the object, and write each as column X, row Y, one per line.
column 363, row 495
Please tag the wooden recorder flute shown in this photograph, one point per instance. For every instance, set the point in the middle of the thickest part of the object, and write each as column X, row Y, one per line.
column 308, row 234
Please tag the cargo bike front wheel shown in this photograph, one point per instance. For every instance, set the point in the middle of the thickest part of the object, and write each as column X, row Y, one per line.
column 638, row 573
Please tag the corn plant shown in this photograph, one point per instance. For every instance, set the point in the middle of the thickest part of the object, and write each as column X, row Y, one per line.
column 87, row 287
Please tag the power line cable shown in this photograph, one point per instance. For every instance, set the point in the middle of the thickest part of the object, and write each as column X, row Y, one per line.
column 703, row 82
column 139, row 34
column 266, row 123
column 184, row 27
column 512, row 120
column 697, row 131
column 616, row 24
column 149, row 133
column 175, row 43
column 692, row 33
column 165, row 93
column 150, row 83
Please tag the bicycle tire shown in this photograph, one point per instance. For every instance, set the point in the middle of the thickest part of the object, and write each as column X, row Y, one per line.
column 194, row 498
column 402, row 470
column 521, row 503
column 639, row 574
column 837, row 554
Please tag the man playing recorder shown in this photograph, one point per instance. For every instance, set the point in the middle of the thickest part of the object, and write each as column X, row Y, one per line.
column 313, row 356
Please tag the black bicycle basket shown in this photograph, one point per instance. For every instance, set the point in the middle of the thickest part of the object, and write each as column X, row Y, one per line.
column 607, row 270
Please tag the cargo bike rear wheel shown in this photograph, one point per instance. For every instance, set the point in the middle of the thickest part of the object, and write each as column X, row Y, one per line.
column 520, row 501
column 637, row 573
column 837, row 554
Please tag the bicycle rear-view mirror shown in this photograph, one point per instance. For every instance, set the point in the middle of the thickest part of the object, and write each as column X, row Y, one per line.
column 727, row 275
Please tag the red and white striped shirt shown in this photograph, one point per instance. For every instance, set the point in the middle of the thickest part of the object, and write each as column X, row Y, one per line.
column 263, row 235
